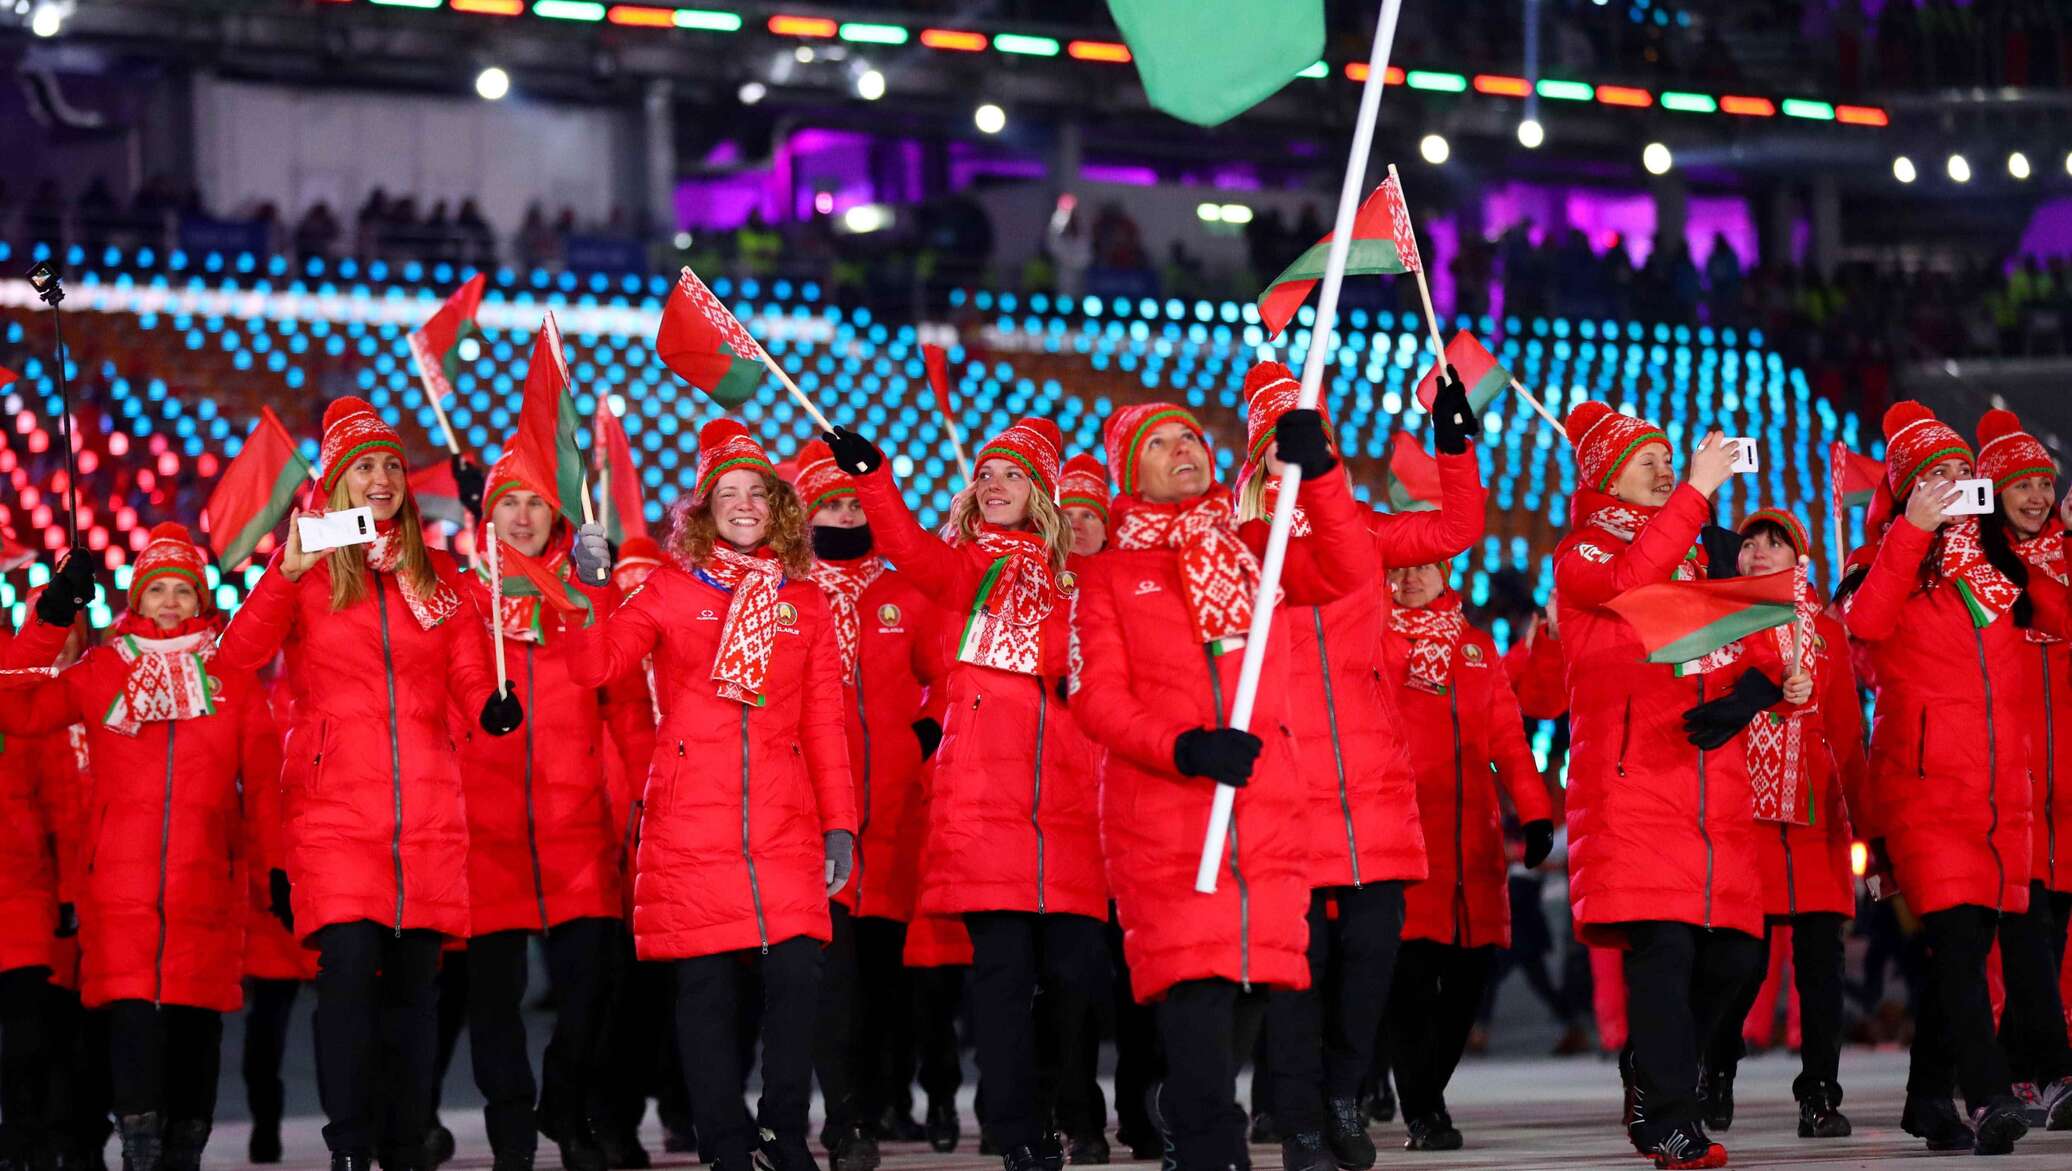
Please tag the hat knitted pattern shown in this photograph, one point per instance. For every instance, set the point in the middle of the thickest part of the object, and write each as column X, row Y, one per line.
column 352, row 428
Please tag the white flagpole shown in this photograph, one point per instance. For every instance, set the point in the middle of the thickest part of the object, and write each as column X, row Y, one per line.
column 496, row 607
column 1312, row 387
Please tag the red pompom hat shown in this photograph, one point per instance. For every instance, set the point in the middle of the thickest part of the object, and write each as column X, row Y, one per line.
column 351, row 428
column 1271, row 391
column 818, row 477
column 636, row 553
column 1036, row 444
column 170, row 553
column 1084, row 485
column 1605, row 441
column 723, row 445
column 1794, row 532
column 1127, row 429
column 503, row 476
column 2007, row 453
column 1915, row 440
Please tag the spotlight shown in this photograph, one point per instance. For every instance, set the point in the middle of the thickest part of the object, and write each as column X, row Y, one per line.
column 1657, row 159
column 682, row 241
column 1434, row 148
column 2018, row 165
column 1959, row 168
column 1531, row 134
column 751, row 92
column 2068, row 162
column 492, row 83
column 870, row 85
column 1903, row 169
column 990, row 119
column 47, row 19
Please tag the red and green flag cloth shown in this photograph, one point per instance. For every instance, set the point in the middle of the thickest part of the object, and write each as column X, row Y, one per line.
column 618, row 481
column 528, row 588
column 1383, row 243
column 255, row 492
column 436, row 344
column 1477, row 369
column 545, row 445
column 8, row 378
column 936, row 360
column 1413, row 479
column 1207, row 61
column 706, row 346
column 1854, row 478
column 1681, row 621
column 437, row 494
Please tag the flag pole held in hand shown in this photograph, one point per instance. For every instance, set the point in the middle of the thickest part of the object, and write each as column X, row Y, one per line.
column 1291, row 474
column 496, row 605
column 936, row 361
column 1424, row 291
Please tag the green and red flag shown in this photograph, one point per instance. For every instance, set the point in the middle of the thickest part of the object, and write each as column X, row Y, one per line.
column 255, row 492
column 1854, row 478
column 1679, row 621
column 438, row 494
column 1476, row 367
column 618, row 481
column 1413, row 478
column 1382, row 243
column 530, row 577
column 706, row 346
column 8, row 378
column 545, row 444
column 436, row 344
column 1207, row 61
column 936, row 361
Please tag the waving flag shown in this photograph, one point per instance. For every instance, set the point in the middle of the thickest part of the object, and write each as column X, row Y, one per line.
column 436, row 344
column 255, row 492
column 1207, row 61
column 437, row 493
column 1477, row 369
column 547, row 420
column 1679, row 621
column 1382, row 243
column 1854, row 478
column 706, row 346
column 1413, row 482
column 13, row 554
column 529, row 577
column 617, row 479
column 8, row 378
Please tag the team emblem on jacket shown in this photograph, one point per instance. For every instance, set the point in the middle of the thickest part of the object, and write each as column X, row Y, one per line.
column 1472, row 654
column 1068, row 582
column 787, row 614
column 888, row 615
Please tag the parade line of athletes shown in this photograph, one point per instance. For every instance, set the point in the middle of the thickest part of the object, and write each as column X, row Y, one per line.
column 787, row 776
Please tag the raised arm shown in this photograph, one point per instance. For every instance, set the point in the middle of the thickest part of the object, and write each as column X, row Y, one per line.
column 1592, row 573
column 1873, row 611
column 266, row 619
column 48, row 706
column 924, row 558
column 37, row 644
column 1420, row 538
column 1102, row 702
column 823, row 733
column 619, row 642
column 1338, row 556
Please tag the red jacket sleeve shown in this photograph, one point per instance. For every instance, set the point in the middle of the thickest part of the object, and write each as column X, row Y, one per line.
column 49, row 706
column 937, row 570
column 37, row 644
column 1537, row 678
column 2053, row 608
column 259, row 767
column 929, row 658
column 1841, row 717
column 1873, row 611
column 1102, row 702
column 1516, row 767
column 1421, row 538
column 1652, row 556
column 618, row 643
column 629, row 715
column 264, row 621
column 824, row 733
column 1337, row 557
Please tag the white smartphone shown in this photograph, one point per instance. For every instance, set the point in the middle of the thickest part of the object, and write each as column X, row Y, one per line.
column 1744, row 454
column 1975, row 499
column 335, row 530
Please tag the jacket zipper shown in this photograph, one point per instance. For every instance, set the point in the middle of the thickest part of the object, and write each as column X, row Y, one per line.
column 1036, row 805
column 1921, row 749
column 1978, row 638
column 755, row 889
column 1626, row 733
column 863, row 817
column 1791, row 878
column 1345, row 805
column 1244, row 893
column 532, row 839
column 2050, row 778
column 1460, row 864
column 388, row 665
column 1703, row 833
column 165, row 843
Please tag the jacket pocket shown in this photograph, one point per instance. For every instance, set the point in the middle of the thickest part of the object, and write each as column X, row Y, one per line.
column 1921, row 749
column 316, row 764
column 1625, row 734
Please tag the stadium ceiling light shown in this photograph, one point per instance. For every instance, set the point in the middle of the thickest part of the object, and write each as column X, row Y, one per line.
column 492, row 84
column 989, row 118
column 751, row 92
column 1903, row 169
column 1209, row 213
column 1236, row 213
column 1657, row 159
column 2068, row 162
column 2018, row 165
column 1434, row 148
column 1959, row 169
column 870, row 85
column 47, row 19
column 1531, row 134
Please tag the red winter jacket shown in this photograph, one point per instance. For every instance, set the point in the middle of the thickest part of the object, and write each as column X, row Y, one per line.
column 1456, row 742
column 370, row 783
column 1950, row 743
column 738, row 796
column 1657, row 830
column 162, row 904
column 271, row 951
column 1014, row 821
column 626, row 754
column 1143, row 680
column 1349, row 736
column 2047, row 711
column 1537, row 674
column 1806, row 867
column 542, row 846
column 36, row 645
column 37, row 834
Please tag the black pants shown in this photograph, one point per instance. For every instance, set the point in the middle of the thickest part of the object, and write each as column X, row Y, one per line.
column 25, row 1061
column 708, row 991
column 1680, row 980
column 640, row 1050
column 1138, row 1061
column 1322, row 1038
column 1532, row 945
column 1816, row 976
column 862, row 986
column 1201, row 1022
column 269, row 1009
column 165, row 1058
column 581, row 957
column 1954, row 1045
column 377, row 1031
column 1432, row 1005
column 939, row 1065
column 2032, row 1023
column 1011, row 953
column 453, row 1017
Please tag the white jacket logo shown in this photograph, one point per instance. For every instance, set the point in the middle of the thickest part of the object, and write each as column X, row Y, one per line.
column 1148, row 587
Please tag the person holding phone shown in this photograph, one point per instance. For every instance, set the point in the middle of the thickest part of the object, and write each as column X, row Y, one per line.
column 1662, row 855
column 378, row 651
column 2032, row 943
column 749, row 820
column 1944, row 608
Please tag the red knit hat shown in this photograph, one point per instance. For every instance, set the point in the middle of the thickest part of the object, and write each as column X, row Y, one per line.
column 723, row 445
column 503, row 476
column 818, row 477
column 2007, row 453
column 1127, row 429
column 170, row 553
column 350, row 428
column 1271, row 391
column 1794, row 532
column 1915, row 440
column 1605, row 441
column 638, row 553
column 1084, row 485
column 1034, row 443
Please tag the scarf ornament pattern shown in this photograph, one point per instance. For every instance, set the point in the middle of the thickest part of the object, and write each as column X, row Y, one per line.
column 1301, row 527
column 749, row 633
column 168, row 680
column 1777, row 738
column 1004, row 628
column 1434, row 633
column 2045, row 553
column 1986, row 591
column 1219, row 574
column 429, row 607
column 843, row 584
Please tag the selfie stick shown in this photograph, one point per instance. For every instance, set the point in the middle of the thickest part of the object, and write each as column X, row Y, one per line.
column 44, row 279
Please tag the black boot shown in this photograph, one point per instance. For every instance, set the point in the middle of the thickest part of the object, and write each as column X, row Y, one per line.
column 265, row 1101
column 897, row 1125
column 1819, row 1112
column 1995, row 1127
column 1381, row 1105
column 1935, row 1121
column 622, row 1149
column 1044, row 1155
column 344, row 1161
column 785, row 1153
column 438, row 1144
column 1306, row 1151
column 1677, row 1145
column 854, row 1149
column 184, row 1140
column 1433, row 1133
column 1348, row 1135
column 1264, row 1132
column 1088, row 1150
column 578, row 1143
column 945, row 1129
column 143, row 1141
column 1716, row 1099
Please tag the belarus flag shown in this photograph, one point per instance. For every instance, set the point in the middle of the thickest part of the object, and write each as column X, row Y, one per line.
column 706, row 345
column 1679, row 621
column 255, row 492
column 1382, row 243
column 547, row 420
column 1413, row 482
column 1477, row 369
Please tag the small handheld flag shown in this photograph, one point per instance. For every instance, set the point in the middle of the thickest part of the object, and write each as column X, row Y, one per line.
column 547, row 420
column 1413, row 480
column 255, row 492
column 1382, row 244
column 706, row 346
column 1476, row 367
column 1678, row 621
column 435, row 346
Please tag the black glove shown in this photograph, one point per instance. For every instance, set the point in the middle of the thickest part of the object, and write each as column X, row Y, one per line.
column 69, row 591
column 470, row 480
column 68, row 921
column 1223, row 755
column 929, row 733
column 853, row 453
column 277, row 903
column 1539, row 842
column 1716, row 721
column 1454, row 422
column 1722, row 551
column 501, row 714
column 1299, row 437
